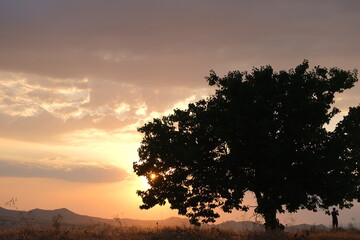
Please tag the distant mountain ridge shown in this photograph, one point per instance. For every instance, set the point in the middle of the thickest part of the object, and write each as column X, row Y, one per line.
column 40, row 217
column 13, row 218
column 241, row 226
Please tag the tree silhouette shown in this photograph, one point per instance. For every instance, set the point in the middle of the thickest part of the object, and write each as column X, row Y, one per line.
column 262, row 132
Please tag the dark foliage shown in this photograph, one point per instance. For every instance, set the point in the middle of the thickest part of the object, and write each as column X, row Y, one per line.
column 262, row 132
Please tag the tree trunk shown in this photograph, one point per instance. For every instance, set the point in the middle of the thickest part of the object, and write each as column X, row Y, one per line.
column 271, row 222
column 268, row 211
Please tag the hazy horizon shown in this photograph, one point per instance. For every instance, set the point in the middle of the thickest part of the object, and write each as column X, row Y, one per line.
column 39, row 214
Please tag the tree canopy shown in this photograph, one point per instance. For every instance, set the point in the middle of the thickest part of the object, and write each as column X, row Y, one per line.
column 262, row 132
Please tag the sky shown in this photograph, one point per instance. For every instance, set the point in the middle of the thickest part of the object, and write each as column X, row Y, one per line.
column 77, row 78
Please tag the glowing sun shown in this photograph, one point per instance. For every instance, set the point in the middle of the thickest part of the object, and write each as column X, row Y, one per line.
column 153, row 176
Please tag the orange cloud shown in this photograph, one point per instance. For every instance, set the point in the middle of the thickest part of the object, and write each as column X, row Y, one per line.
column 90, row 174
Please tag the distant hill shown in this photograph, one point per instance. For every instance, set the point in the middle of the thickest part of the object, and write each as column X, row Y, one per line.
column 241, row 226
column 354, row 225
column 14, row 218
column 39, row 217
column 169, row 222
column 305, row 227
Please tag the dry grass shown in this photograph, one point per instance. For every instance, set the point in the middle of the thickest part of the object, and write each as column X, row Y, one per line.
column 107, row 232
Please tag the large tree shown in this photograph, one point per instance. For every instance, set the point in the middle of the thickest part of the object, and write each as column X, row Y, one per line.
column 262, row 132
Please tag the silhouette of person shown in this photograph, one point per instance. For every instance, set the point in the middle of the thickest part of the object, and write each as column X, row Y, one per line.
column 334, row 215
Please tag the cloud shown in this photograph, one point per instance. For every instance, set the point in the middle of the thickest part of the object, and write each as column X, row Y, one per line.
column 27, row 95
column 41, row 109
column 172, row 43
column 47, row 128
column 85, row 59
column 73, row 66
column 89, row 174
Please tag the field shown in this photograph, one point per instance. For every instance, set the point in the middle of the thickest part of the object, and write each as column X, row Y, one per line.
column 107, row 232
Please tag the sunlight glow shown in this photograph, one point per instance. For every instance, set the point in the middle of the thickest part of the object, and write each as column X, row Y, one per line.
column 153, row 176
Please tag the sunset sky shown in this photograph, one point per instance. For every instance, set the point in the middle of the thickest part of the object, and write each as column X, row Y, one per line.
column 78, row 77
